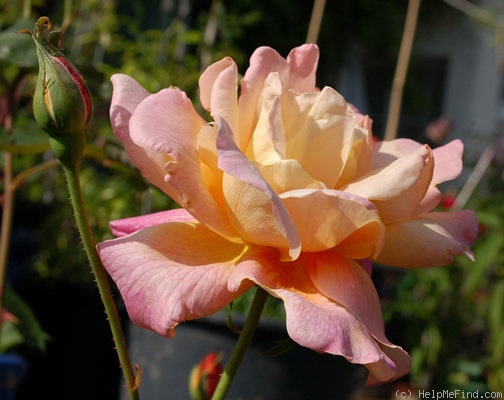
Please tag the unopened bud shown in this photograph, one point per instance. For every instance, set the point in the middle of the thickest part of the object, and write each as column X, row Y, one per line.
column 62, row 102
column 205, row 376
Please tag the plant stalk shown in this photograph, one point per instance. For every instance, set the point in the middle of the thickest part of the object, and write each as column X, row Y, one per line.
column 241, row 345
column 7, row 214
column 402, row 69
column 315, row 21
column 102, row 282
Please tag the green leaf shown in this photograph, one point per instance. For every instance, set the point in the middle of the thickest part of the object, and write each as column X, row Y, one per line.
column 17, row 48
column 10, row 336
column 496, row 320
column 27, row 325
column 486, row 254
column 282, row 346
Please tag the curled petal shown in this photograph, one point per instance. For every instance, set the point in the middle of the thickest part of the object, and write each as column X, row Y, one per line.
column 447, row 166
column 171, row 272
column 448, row 158
column 218, row 91
column 256, row 210
column 398, row 188
column 338, row 331
column 127, row 95
column 167, row 124
column 267, row 144
column 430, row 240
column 341, row 217
column 126, row 226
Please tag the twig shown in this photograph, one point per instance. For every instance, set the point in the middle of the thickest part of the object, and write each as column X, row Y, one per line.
column 315, row 21
column 475, row 177
column 402, row 69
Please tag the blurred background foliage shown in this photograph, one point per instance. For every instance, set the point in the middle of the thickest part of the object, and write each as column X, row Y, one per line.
column 450, row 319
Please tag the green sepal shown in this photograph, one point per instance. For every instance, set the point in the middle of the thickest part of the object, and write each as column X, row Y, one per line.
column 68, row 149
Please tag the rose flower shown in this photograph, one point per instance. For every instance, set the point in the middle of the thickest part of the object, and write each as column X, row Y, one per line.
column 284, row 189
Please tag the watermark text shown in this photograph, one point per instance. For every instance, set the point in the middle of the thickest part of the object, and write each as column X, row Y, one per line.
column 446, row 394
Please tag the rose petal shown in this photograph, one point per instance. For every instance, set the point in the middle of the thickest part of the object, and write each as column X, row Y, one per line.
column 171, row 272
column 218, row 91
column 298, row 72
column 126, row 226
column 255, row 209
column 321, row 130
column 340, row 217
column 448, row 161
column 127, row 95
column 447, row 158
column 317, row 322
column 398, row 187
column 430, row 200
column 166, row 123
column 430, row 240
column 340, row 278
column 287, row 175
column 447, row 166
column 388, row 151
column 267, row 144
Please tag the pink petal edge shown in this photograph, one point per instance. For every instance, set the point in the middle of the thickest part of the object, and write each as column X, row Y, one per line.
column 172, row 272
column 126, row 226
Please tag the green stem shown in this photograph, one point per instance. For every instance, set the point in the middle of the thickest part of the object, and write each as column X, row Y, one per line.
column 26, row 8
column 241, row 345
column 7, row 212
column 74, row 187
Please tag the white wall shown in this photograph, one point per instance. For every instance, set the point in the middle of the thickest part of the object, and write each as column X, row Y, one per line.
column 473, row 84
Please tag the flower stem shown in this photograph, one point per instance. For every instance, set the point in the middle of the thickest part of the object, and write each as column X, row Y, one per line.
column 241, row 345
column 7, row 213
column 100, row 275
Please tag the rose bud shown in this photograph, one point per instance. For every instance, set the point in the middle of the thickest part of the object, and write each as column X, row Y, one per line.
column 205, row 376
column 62, row 102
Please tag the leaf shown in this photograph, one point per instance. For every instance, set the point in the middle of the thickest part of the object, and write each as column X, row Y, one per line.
column 485, row 255
column 496, row 321
column 28, row 325
column 17, row 48
column 10, row 336
column 282, row 346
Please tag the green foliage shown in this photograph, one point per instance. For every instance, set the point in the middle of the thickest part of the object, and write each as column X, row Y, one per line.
column 25, row 330
column 16, row 49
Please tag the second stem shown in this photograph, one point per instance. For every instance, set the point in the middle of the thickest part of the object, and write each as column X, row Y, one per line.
column 242, row 344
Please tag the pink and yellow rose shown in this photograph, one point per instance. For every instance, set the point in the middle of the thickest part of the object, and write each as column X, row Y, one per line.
column 284, row 189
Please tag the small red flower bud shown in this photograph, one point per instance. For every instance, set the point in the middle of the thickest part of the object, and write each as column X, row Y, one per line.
column 205, row 376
